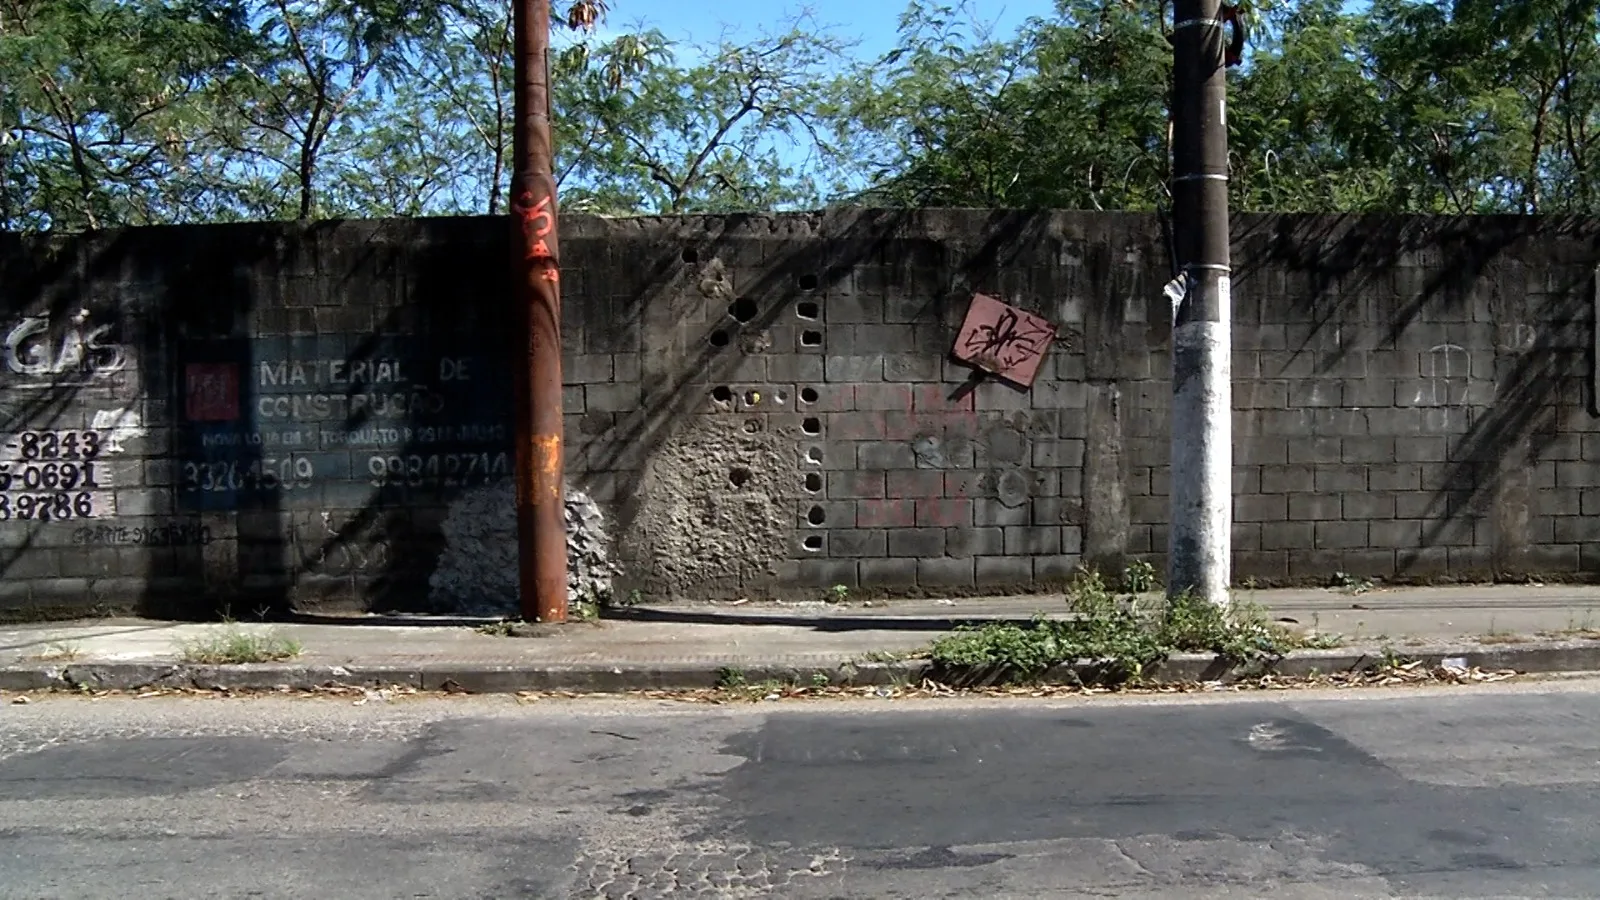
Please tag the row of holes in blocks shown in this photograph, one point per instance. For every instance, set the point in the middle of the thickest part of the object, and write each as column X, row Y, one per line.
column 723, row 395
column 744, row 311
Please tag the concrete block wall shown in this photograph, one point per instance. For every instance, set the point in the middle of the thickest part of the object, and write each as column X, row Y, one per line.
column 317, row 417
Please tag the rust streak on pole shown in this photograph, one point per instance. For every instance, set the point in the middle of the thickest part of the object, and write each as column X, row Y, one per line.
column 536, row 276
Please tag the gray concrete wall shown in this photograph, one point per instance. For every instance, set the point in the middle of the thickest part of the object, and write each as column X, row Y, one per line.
column 279, row 416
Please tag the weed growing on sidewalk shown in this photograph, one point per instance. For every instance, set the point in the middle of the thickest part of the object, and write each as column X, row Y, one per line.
column 890, row 656
column 231, row 645
column 1140, row 577
column 66, row 651
column 1351, row 584
column 1119, row 636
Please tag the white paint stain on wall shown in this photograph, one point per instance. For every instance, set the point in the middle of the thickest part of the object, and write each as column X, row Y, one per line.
column 477, row 571
column 1524, row 337
column 118, row 426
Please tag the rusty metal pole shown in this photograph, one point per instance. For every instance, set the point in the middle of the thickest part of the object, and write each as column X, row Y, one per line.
column 536, row 276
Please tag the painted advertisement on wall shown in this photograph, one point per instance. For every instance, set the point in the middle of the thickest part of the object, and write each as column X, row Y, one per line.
column 331, row 421
column 69, row 375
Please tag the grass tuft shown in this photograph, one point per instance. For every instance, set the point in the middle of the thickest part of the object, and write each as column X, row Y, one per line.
column 1121, row 636
column 231, row 645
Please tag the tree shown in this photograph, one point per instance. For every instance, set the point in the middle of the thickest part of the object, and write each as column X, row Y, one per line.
column 1306, row 119
column 309, row 65
column 103, row 121
column 1070, row 113
column 144, row 111
column 639, row 130
column 441, row 142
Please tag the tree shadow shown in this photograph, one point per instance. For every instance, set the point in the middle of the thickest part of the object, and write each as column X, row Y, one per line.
column 1489, row 312
column 209, row 507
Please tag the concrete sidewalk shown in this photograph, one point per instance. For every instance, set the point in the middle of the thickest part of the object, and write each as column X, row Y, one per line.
column 1530, row 628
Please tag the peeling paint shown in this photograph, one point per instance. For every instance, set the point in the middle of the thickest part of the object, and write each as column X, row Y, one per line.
column 119, row 425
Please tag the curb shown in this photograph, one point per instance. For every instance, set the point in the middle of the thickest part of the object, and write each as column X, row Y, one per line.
column 822, row 621
column 1531, row 658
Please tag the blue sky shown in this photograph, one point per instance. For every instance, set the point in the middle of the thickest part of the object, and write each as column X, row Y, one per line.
column 871, row 23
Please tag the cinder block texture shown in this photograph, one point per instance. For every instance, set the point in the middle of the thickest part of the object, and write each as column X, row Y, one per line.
column 319, row 417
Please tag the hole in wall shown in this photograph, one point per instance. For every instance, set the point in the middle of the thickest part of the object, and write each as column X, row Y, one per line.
column 814, row 455
column 742, row 309
column 813, row 542
column 808, row 395
column 812, row 425
column 807, row 309
column 752, row 426
column 738, row 476
column 811, row 339
column 808, row 282
column 813, row 481
column 752, row 398
column 816, row 516
column 780, row 397
column 722, row 394
column 719, row 339
column 691, row 255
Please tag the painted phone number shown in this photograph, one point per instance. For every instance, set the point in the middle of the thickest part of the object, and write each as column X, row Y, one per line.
column 288, row 473
column 56, row 507
column 447, row 469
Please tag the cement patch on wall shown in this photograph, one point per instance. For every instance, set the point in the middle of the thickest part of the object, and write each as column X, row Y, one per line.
column 717, row 495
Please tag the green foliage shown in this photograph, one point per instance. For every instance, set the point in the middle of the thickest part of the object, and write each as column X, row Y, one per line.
column 640, row 129
column 151, row 111
column 1140, row 576
column 103, row 119
column 231, row 645
column 1406, row 106
column 1119, row 636
column 1070, row 113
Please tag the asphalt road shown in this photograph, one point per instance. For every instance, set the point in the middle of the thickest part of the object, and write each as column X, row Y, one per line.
column 1448, row 793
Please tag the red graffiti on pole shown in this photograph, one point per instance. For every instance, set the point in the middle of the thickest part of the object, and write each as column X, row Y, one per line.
column 536, row 224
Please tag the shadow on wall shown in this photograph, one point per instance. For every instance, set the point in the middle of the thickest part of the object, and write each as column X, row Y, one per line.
column 245, row 419
column 741, row 329
column 375, row 396
column 1484, row 338
column 273, row 417
column 93, row 448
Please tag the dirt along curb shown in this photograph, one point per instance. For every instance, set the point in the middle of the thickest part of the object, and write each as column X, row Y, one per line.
column 1528, row 658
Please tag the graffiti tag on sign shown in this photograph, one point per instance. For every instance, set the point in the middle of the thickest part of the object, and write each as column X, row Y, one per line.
column 1003, row 340
column 78, row 353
